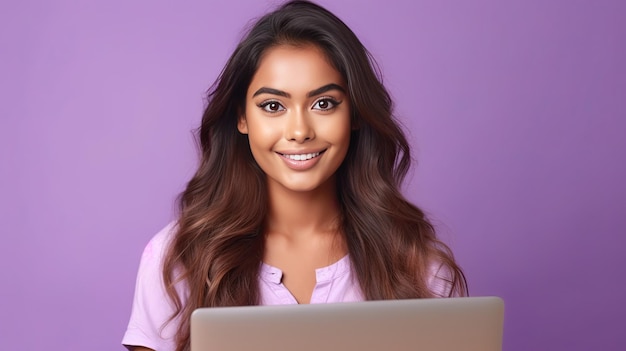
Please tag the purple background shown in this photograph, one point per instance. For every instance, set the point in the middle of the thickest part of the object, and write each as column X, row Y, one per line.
column 516, row 111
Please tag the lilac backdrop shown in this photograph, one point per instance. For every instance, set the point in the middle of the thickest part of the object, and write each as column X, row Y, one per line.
column 516, row 111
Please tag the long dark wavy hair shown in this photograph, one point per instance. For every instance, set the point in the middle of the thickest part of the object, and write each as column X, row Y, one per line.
column 218, row 246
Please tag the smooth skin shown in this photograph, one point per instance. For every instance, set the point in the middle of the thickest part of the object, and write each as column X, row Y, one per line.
column 297, row 104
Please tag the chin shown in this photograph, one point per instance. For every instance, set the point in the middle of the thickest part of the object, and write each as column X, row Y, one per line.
column 305, row 185
column 302, row 188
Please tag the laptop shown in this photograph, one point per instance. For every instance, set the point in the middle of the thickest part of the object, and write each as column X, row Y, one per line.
column 438, row 324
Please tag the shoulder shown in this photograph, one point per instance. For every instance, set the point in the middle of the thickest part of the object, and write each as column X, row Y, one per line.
column 156, row 247
column 440, row 279
column 152, row 308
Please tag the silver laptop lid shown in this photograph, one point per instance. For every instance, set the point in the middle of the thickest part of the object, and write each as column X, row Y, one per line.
column 445, row 324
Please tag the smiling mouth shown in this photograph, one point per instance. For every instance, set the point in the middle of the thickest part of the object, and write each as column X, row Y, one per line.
column 302, row 157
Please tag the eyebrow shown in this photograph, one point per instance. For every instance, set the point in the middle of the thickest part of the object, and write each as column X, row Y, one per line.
column 318, row 91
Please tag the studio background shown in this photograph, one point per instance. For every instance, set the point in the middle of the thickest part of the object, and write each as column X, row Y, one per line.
column 516, row 111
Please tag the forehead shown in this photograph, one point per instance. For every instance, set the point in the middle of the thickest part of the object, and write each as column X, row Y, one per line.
column 294, row 69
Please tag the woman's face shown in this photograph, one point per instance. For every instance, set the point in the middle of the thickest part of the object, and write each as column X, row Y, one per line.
column 297, row 118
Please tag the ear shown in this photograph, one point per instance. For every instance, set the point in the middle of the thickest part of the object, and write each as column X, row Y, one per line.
column 242, row 124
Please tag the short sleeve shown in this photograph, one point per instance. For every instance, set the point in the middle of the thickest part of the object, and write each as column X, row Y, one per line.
column 440, row 280
column 152, row 308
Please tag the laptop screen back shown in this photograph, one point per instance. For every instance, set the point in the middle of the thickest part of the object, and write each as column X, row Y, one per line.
column 450, row 324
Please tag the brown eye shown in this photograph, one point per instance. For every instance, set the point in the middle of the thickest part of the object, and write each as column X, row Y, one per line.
column 271, row 106
column 325, row 104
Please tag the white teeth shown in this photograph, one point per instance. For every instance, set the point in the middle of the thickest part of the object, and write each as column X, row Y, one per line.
column 302, row 157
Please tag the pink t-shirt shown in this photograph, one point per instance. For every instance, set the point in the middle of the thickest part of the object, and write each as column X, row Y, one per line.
column 152, row 308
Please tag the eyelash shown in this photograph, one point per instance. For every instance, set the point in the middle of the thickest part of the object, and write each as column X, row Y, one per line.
column 334, row 103
column 264, row 104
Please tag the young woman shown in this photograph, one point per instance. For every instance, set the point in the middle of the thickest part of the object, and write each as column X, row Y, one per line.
column 296, row 197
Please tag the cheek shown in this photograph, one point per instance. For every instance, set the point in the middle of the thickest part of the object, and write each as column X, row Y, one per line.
column 337, row 130
column 262, row 134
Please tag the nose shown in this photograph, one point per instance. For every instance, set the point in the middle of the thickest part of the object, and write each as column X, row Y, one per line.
column 298, row 127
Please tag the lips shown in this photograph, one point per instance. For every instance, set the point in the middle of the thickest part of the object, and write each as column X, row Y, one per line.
column 302, row 157
column 301, row 161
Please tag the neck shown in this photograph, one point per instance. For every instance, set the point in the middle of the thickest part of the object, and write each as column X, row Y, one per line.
column 297, row 214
